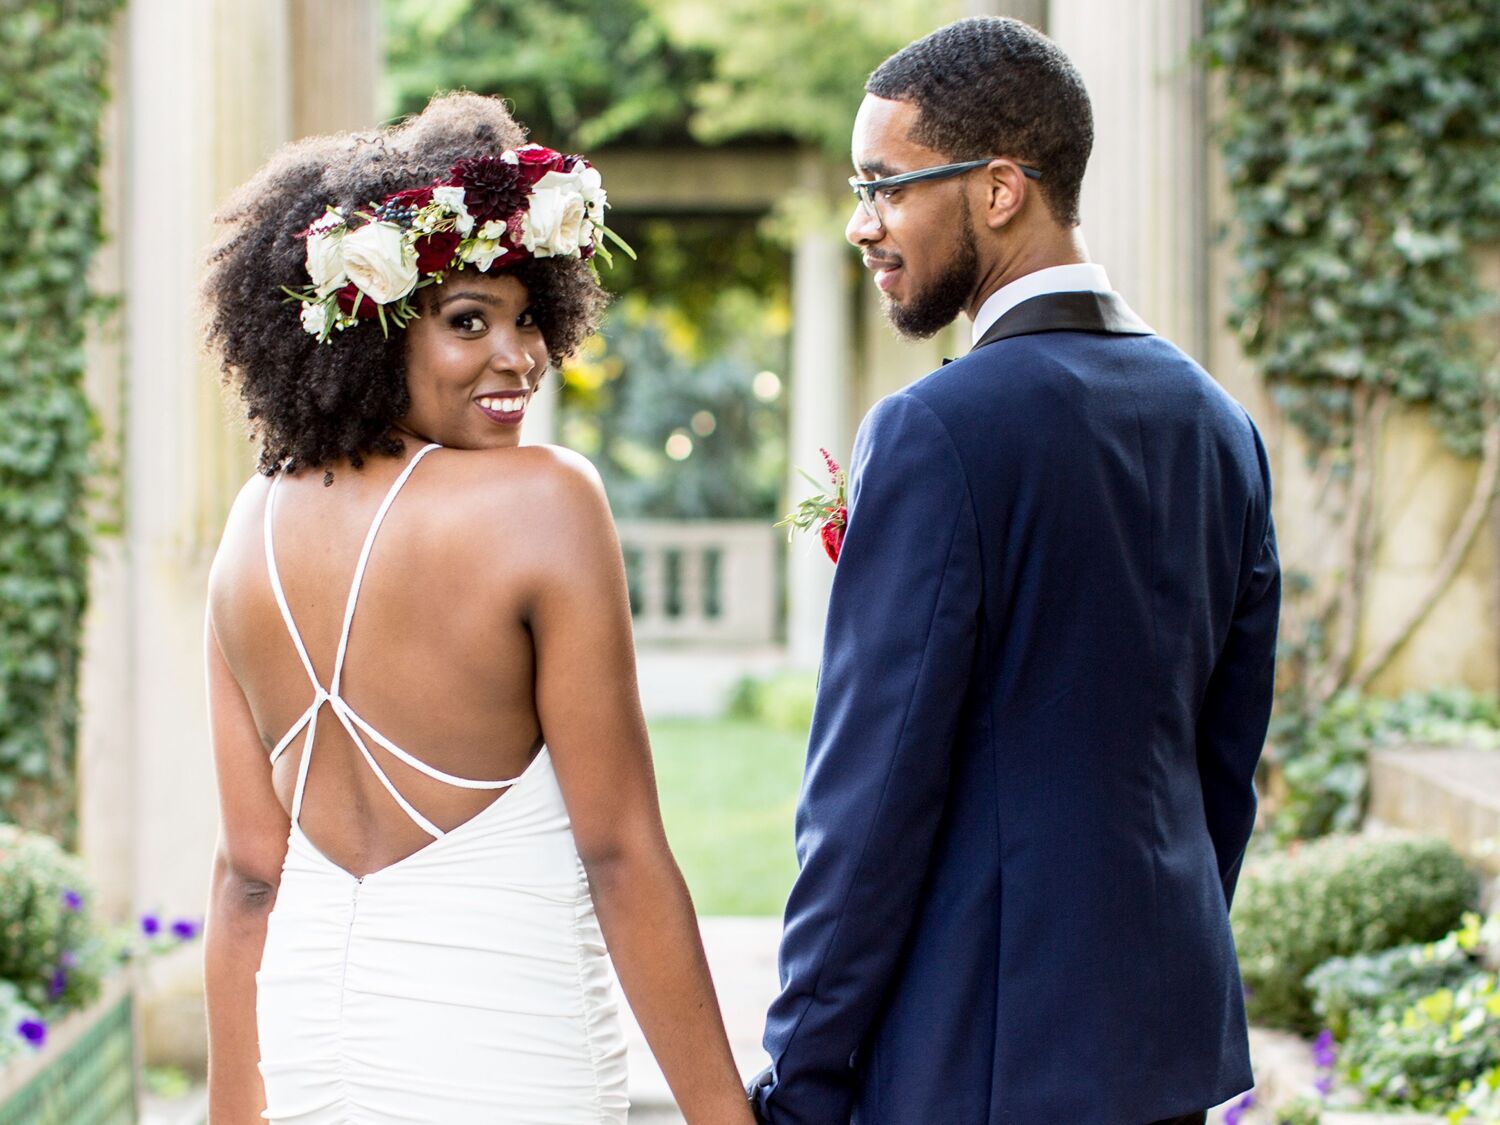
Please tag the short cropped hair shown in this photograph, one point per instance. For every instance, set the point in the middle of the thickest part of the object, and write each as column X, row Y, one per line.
column 312, row 404
column 991, row 85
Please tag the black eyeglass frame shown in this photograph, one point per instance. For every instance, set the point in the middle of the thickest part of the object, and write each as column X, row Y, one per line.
column 865, row 189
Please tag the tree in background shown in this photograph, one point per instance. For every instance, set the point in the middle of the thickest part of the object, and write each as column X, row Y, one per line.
column 679, row 400
column 791, row 68
column 579, row 72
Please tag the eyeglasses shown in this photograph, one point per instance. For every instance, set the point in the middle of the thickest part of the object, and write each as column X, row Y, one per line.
column 865, row 190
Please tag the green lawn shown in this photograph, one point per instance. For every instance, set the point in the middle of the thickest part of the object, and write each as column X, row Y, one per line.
column 728, row 791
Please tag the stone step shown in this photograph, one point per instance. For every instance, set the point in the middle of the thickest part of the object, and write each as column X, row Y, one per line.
column 1451, row 792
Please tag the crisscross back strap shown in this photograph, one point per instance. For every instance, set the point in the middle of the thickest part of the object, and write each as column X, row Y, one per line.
column 351, row 722
column 364, row 558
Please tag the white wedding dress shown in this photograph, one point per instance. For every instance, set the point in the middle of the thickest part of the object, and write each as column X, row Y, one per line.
column 465, row 983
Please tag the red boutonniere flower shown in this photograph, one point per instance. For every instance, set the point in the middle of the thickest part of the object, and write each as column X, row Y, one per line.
column 827, row 515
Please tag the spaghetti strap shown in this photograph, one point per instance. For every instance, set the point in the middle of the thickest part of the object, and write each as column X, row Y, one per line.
column 353, row 725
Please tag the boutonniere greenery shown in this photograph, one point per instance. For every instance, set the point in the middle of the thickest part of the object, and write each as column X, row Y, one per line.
column 827, row 515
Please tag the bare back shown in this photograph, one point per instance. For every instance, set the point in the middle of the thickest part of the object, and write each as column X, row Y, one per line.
column 439, row 659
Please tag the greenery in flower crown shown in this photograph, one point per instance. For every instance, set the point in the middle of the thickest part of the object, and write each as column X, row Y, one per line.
column 53, row 61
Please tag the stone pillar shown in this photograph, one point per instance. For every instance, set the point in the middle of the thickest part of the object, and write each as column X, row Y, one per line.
column 335, row 49
column 820, row 405
column 1145, row 194
column 1033, row 12
column 541, row 415
column 204, row 93
column 107, row 815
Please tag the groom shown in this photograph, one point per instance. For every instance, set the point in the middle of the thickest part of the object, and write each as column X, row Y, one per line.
column 1048, row 662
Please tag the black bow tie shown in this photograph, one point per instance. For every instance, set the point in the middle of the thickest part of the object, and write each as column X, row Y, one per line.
column 947, row 359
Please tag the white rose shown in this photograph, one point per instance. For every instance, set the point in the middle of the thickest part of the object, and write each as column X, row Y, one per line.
column 553, row 223
column 325, row 263
column 378, row 259
column 453, row 199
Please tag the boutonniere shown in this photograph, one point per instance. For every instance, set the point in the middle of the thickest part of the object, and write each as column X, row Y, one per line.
column 827, row 515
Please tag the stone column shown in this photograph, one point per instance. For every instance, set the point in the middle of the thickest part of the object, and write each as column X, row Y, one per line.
column 1033, row 12
column 335, row 48
column 820, row 404
column 107, row 815
column 1145, row 194
column 204, row 94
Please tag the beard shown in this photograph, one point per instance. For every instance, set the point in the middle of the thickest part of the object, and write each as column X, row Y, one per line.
column 934, row 308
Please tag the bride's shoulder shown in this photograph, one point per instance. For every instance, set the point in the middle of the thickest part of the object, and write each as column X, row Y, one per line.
column 240, row 548
column 546, row 487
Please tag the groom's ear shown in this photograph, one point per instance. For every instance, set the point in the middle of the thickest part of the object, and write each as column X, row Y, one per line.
column 1005, row 190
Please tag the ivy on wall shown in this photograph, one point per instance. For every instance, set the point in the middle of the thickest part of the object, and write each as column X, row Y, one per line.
column 1361, row 141
column 53, row 62
column 1362, row 147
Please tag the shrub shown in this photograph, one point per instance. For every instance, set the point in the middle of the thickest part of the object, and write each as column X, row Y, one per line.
column 783, row 701
column 1431, row 1054
column 1335, row 898
column 49, row 948
column 1384, row 983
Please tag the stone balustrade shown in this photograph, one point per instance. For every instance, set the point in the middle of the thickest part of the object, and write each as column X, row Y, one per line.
column 703, row 581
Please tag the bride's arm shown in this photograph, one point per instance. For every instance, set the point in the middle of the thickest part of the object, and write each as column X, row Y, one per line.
column 590, row 712
column 246, row 871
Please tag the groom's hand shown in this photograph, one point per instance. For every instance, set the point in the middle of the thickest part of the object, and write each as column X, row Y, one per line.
column 761, row 1081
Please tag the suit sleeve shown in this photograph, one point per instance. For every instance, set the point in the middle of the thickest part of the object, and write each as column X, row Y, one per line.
column 1237, row 704
column 898, row 653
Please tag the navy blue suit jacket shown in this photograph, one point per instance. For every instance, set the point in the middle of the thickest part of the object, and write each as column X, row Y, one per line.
column 1045, row 686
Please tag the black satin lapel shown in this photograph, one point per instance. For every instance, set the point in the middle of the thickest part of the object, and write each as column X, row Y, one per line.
column 1081, row 311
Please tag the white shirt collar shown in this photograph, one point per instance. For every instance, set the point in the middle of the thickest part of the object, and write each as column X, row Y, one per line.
column 1081, row 277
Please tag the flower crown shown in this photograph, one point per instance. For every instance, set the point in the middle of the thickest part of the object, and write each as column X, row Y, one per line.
column 529, row 202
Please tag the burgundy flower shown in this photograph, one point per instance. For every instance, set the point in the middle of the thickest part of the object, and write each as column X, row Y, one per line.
column 833, row 532
column 435, row 251
column 346, row 298
column 493, row 188
column 537, row 160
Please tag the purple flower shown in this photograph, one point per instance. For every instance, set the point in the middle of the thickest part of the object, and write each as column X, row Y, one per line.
column 184, row 929
column 1233, row 1114
column 1323, row 1084
column 69, row 959
column 150, row 925
column 33, row 1031
column 1324, row 1051
column 58, row 984
column 72, row 900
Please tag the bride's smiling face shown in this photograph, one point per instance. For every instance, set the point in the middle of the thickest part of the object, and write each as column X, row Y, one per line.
column 473, row 361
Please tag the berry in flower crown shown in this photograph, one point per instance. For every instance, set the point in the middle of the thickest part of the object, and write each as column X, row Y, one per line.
column 492, row 211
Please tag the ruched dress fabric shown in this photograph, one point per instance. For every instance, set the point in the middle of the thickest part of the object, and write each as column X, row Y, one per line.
column 466, row 983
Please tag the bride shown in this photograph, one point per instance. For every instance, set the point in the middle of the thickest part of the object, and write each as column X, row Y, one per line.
column 434, row 780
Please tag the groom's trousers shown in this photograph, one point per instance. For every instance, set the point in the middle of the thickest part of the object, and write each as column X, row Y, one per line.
column 1187, row 1119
